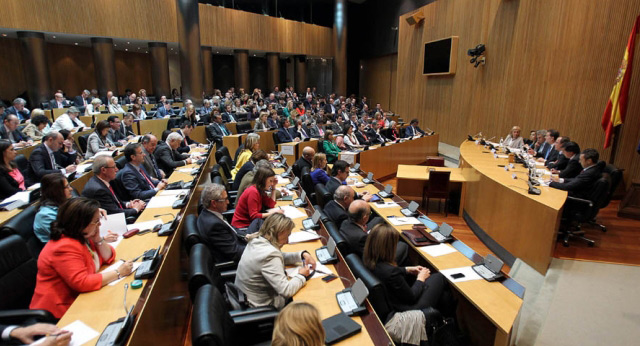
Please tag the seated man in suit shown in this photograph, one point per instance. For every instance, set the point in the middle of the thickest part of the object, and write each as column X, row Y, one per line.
column 272, row 120
column 413, row 129
column 580, row 186
column 126, row 127
column 168, row 157
column 285, row 134
column 225, row 242
column 58, row 101
column 9, row 130
column 165, row 111
column 304, row 161
column 571, row 150
column 337, row 127
column 83, row 99
column 217, row 129
column 362, row 136
column 100, row 188
column 18, row 109
column 149, row 143
column 561, row 160
column 187, row 143
column 135, row 178
column 115, row 136
column 354, row 230
column 375, row 137
column 42, row 160
column 67, row 155
column 68, row 121
column 339, row 174
column 551, row 154
column 227, row 116
column 336, row 209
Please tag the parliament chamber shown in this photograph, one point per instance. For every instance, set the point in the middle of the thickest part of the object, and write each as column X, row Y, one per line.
column 351, row 172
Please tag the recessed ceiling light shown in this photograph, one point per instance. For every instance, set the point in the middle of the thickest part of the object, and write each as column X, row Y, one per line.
column 254, row 55
column 217, row 52
column 138, row 47
column 4, row 35
column 146, row 51
column 128, row 42
column 53, row 36
column 76, row 43
column 171, row 48
column 126, row 49
column 115, row 45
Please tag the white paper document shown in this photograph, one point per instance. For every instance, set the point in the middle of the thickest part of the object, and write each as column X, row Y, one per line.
column 16, row 200
column 80, row 168
column 115, row 266
column 386, row 205
column 399, row 221
column 101, row 153
column 321, row 269
column 82, row 333
column 302, row 236
column 290, row 212
column 173, row 192
column 468, row 272
column 437, row 250
column 144, row 225
column 282, row 180
column 350, row 158
column 287, row 150
column 115, row 223
column 161, row 201
column 184, row 170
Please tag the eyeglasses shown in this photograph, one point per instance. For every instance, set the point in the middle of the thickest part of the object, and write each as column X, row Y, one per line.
column 112, row 167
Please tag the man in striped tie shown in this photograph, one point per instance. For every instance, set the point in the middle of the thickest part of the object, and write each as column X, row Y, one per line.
column 134, row 176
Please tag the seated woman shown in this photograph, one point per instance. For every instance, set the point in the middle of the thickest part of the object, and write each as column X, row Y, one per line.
column 514, row 140
column 318, row 173
column 350, row 139
column 97, row 141
column 68, row 154
column 261, row 123
column 251, row 144
column 138, row 112
column 93, row 108
column 261, row 275
column 37, row 125
column 299, row 324
column 11, row 179
column 190, row 115
column 55, row 191
column 69, row 263
column 254, row 199
column 393, row 133
column 330, row 147
column 114, row 106
column 409, row 302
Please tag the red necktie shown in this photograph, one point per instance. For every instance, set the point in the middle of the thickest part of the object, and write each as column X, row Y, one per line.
column 147, row 178
column 185, row 141
column 116, row 197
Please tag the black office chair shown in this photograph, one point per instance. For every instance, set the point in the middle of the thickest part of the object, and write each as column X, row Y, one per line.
column 377, row 292
column 322, row 195
column 190, row 236
column 614, row 175
column 18, row 270
column 238, row 151
column 215, row 171
column 244, row 127
column 276, row 140
column 580, row 211
column 82, row 142
column 221, row 152
column 203, row 270
column 307, row 184
column 212, row 324
column 332, row 230
column 321, row 145
column 22, row 225
column 121, row 162
column 23, row 165
column 227, row 166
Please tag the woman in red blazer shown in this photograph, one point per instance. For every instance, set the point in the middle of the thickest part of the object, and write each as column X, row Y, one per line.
column 69, row 263
column 254, row 199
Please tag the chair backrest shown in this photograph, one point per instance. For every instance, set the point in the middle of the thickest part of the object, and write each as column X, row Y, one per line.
column 296, row 170
column 238, row 151
column 190, row 235
column 22, row 225
column 121, row 162
column 615, row 177
column 211, row 324
column 307, row 182
column 23, row 164
column 244, row 127
column 341, row 242
column 322, row 195
column 438, row 182
column 82, row 142
column 276, row 140
column 321, row 145
column 119, row 188
column 18, row 270
column 220, row 152
column 599, row 194
column 435, row 161
column 215, row 171
column 202, row 271
column 377, row 292
column 225, row 163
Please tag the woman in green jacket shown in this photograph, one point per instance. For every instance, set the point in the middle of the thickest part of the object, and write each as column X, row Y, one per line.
column 330, row 148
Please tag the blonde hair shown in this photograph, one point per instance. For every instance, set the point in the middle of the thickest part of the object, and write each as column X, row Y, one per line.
column 380, row 246
column 37, row 111
column 317, row 160
column 251, row 140
column 298, row 324
column 273, row 226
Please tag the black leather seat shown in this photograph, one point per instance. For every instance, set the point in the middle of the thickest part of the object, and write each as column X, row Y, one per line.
column 18, row 270
column 377, row 293
column 121, row 162
column 23, row 165
column 307, row 184
column 276, row 140
column 222, row 151
column 190, row 236
column 238, row 151
column 333, row 231
column 227, row 166
column 213, row 325
column 82, row 142
column 22, row 225
column 321, row 145
column 322, row 195
column 578, row 211
column 244, row 127
column 203, row 271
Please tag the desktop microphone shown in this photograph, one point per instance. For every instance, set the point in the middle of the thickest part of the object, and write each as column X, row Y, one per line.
column 165, row 214
column 533, row 190
column 126, row 287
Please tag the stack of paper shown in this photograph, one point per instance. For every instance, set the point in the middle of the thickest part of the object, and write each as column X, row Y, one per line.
column 17, row 200
column 290, row 212
column 399, row 221
column 302, row 236
column 81, row 334
column 161, row 201
column 437, row 250
column 117, row 265
column 386, row 205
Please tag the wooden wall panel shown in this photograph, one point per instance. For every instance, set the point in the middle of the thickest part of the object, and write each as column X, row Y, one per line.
column 133, row 71
column 14, row 82
column 377, row 81
column 549, row 64
column 71, row 69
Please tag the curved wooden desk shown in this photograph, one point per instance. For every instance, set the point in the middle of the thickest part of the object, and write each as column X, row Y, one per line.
column 511, row 222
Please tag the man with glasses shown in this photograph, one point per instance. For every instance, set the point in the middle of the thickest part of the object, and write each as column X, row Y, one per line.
column 100, row 188
column 9, row 130
column 225, row 242
column 43, row 161
column 135, row 178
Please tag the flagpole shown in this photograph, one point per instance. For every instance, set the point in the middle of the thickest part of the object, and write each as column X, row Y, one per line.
column 614, row 146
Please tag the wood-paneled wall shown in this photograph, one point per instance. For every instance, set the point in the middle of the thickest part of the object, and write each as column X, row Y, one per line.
column 71, row 68
column 133, row 71
column 377, row 81
column 14, row 81
column 550, row 64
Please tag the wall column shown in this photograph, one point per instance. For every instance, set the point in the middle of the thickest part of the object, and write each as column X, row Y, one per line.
column 340, row 48
column 207, row 69
column 36, row 68
column 241, row 68
column 300, row 66
column 105, row 65
column 160, row 69
column 273, row 71
column 191, row 76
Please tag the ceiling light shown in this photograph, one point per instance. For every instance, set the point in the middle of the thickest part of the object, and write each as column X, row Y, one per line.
column 126, row 49
column 128, row 42
column 146, row 51
column 217, row 52
column 115, row 45
column 53, row 36
column 4, row 35
column 76, row 43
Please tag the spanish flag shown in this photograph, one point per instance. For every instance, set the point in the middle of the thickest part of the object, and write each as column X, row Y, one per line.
column 617, row 105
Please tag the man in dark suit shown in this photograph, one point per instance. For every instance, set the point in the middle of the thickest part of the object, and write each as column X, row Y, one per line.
column 42, row 160
column 115, row 136
column 100, row 188
column 126, row 126
column 9, row 130
column 83, row 99
column 168, row 157
column 336, row 210
column 149, row 143
column 19, row 109
column 581, row 185
column 59, row 101
column 361, row 135
column 185, row 130
column 225, row 242
column 304, row 161
column 413, row 129
column 549, row 153
column 355, row 230
column 227, row 116
column 285, row 134
column 339, row 174
column 217, row 129
column 571, row 151
column 135, row 178
column 375, row 137
column 164, row 111
column 561, row 162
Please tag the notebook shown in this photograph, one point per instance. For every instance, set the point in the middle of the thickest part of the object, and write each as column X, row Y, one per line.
column 339, row 327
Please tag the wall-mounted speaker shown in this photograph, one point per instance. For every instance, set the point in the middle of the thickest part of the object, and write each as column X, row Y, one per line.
column 415, row 18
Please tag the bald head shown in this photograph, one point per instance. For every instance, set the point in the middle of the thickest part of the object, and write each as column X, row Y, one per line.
column 308, row 153
column 359, row 212
column 344, row 195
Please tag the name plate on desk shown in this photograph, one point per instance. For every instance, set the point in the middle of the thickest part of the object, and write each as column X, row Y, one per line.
column 287, row 150
column 349, row 158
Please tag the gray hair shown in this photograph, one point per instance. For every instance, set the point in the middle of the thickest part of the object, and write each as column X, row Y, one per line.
column 211, row 193
column 392, row 123
column 114, row 98
column 261, row 164
column 541, row 132
column 173, row 136
column 19, row 100
column 37, row 111
column 96, row 101
column 341, row 192
column 99, row 163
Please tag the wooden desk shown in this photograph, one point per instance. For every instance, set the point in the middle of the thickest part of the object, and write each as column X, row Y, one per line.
column 294, row 149
column 199, row 135
column 266, row 140
column 497, row 303
column 86, row 119
column 232, row 143
column 56, row 112
column 494, row 201
column 232, row 127
column 148, row 107
column 154, row 126
column 26, row 151
column 412, row 179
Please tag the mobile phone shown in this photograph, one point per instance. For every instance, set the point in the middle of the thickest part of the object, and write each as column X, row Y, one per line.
column 421, row 239
column 500, row 165
column 329, row 278
column 457, row 276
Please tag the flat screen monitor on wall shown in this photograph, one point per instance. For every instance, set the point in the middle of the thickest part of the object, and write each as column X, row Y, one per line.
column 440, row 56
